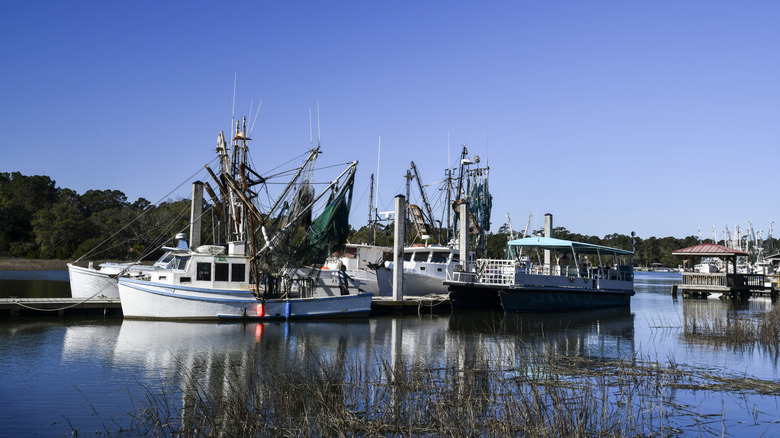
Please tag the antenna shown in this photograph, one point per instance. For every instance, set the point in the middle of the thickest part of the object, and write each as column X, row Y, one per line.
column 318, row 123
column 251, row 105
column 252, row 129
column 487, row 149
column 378, row 153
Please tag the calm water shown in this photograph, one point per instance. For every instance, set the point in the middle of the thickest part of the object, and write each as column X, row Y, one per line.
column 56, row 371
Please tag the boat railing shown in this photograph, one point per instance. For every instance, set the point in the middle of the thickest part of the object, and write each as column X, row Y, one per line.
column 746, row 280
column 495, row 271
column 502, row 271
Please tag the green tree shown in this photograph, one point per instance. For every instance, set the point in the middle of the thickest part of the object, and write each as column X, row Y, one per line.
column 20, row 198
column 59, row 230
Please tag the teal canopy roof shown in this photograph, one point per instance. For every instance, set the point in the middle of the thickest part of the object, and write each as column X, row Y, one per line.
column 560, row 244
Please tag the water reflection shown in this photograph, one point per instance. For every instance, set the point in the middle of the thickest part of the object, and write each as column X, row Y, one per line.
column 72, row 366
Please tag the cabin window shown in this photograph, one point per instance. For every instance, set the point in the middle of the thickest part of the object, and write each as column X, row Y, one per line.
column 407, row 256
column 165, row 259
column 238, row 273
column 221, row 271
column 180, row 263
column 422, row 268
column 456, row 258
column 422, row 256
column 204, row 272
column 439, row 257
column 185, row 280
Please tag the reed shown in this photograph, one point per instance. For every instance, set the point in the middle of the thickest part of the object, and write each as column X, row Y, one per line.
column 21, row 264
column 734, row 329
column 542, row 394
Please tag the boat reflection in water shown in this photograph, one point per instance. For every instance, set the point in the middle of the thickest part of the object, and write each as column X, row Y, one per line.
column 195, row 357
column 607, row 333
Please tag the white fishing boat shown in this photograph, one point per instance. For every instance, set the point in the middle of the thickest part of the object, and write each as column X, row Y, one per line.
column 101, row 282
column 585, row 276
column 238, row 280
column 426, row 267
column 209, row 283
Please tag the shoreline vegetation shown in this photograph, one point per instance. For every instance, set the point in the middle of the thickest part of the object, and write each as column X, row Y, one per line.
column 23, row 264
column 50, row 222
column 535, row 391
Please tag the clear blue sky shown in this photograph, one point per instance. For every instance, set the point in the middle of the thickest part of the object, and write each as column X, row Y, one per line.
column 659, row 117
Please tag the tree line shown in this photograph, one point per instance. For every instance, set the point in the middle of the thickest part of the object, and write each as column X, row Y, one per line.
column 40, row 220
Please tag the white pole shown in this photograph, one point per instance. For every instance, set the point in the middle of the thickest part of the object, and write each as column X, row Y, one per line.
column 398, row 248
column 195, row 213
column 463, row 245
column 378, row 154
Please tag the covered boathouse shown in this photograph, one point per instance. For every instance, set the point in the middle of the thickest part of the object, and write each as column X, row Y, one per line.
column 729, row 283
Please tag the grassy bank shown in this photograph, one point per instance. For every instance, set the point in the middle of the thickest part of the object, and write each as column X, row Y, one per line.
column 21, row 264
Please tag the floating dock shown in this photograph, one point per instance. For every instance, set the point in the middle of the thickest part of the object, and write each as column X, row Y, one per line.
column 10, row 307
column 59, row 306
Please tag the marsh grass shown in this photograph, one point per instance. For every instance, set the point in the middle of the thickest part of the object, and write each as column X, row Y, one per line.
column 21, row 264
column 534, row 392
column 734, row 329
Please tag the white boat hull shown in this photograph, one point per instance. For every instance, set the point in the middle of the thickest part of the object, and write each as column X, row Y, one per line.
column 416, row 284
column 89, row 282
column 147, row 300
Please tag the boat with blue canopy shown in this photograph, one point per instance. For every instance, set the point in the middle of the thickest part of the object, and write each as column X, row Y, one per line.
column 546, row 274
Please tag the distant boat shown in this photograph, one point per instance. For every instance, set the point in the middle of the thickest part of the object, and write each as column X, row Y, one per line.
column 101, row 282
column 526, row 286
column 263, row 271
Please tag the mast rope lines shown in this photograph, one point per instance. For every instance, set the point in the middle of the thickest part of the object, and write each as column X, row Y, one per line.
column 143, row 213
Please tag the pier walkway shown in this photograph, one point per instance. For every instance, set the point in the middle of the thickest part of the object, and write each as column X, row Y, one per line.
column 730, row 285
column 59, row 306
column 15, row 306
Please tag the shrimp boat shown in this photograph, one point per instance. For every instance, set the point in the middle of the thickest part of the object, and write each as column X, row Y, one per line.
column 585, row 276
column 268, row 267
column 425, row 266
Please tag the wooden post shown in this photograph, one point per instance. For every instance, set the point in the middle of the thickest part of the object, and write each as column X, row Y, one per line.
column 548, row 226
column 398, row 248
column 195, row 213
column 463, row 237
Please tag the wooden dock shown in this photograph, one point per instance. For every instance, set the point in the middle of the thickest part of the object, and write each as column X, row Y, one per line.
column 12, row 307
column 59, row 306
column 734, row 286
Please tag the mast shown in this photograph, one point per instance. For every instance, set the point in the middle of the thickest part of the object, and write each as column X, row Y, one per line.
column 371, row 224
column 424, row 198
